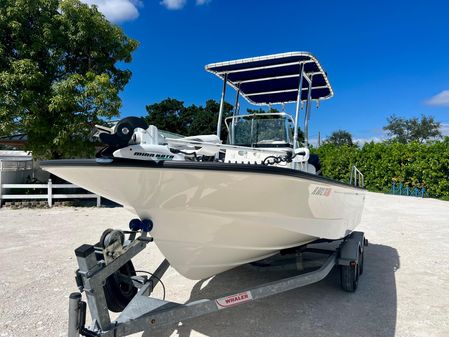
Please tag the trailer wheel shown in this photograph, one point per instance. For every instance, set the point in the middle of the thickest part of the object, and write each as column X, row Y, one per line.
column 119, row 289
column 349, row 277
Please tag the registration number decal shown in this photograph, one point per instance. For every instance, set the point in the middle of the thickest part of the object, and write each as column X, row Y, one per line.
column 324, row 191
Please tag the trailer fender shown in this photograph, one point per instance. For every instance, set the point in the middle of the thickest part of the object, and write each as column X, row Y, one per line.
column 351, row 248
column 359, row 236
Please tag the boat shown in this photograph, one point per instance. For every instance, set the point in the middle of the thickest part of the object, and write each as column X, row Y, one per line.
column 215, row 206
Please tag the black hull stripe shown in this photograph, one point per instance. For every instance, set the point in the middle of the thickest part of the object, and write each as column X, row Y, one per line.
column 186, row 165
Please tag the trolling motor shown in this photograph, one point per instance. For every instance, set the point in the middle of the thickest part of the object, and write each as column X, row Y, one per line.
column 133, row 138
column 122, row 132
column 119, row 135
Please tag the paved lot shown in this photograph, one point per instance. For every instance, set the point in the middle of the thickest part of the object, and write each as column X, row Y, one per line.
column 404, row 290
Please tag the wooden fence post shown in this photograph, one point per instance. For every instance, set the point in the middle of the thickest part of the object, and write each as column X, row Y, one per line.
column 50, row 193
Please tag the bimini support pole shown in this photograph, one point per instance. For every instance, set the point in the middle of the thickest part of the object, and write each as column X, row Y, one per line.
column 298, row 105
column 222, row 101
column 307, row 116
column 235, row 113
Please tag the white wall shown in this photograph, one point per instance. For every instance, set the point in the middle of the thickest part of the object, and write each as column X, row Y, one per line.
column 15, row 170
column 19, row 176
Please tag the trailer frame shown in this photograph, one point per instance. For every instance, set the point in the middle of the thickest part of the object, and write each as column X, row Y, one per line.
column 144, row 312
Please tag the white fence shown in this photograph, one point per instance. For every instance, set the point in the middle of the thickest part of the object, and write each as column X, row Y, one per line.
column 49, row 195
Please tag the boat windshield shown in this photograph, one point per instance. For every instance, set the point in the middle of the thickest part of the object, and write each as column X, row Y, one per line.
column 260, row 130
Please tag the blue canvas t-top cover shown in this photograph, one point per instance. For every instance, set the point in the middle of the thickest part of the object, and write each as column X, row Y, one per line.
column 274, row 79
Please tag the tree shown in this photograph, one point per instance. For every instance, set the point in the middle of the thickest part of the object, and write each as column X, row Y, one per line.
column 205, row 120
column 413, row 129
column 261, row 111
column 166, row 115
column 340, row 137
column 58, row 73
column 171, row 115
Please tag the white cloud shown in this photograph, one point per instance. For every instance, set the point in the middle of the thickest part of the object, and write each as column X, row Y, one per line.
column 444, row 128
column 117, row 10
column 441, row 99
column 313, row 142
column 362, row 141
column 180, row 4
column 173, row 4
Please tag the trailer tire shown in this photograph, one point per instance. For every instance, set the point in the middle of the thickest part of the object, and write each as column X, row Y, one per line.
column 117, row 291
column 349, row 276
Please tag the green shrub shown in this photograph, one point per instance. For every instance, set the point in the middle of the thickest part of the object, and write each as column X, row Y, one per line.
column 413, row 164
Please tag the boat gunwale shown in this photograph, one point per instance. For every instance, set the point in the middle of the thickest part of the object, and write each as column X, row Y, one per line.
column 213, row 166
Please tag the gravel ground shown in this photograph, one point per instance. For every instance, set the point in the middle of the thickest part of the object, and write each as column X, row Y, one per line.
column 403, row 292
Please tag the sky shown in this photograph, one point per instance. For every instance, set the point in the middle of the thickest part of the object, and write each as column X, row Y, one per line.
column 382, row 57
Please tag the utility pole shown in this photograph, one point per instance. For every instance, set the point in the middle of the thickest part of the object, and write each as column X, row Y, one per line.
column 319, row 139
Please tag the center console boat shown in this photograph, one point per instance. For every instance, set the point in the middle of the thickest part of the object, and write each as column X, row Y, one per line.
column 216, row 206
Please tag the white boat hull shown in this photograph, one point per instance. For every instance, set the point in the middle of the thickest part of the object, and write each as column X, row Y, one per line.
column 207, row 221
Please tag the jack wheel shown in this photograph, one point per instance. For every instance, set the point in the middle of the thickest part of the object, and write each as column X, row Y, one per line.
column 119, row 289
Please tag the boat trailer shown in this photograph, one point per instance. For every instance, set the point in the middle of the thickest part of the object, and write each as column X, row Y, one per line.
column 108, row 279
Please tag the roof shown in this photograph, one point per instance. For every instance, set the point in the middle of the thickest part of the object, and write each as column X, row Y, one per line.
column 15, row 155
column 274, row 78
column 14, row 140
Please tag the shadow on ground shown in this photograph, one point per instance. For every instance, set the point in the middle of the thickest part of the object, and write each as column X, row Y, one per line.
column 321, row 309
